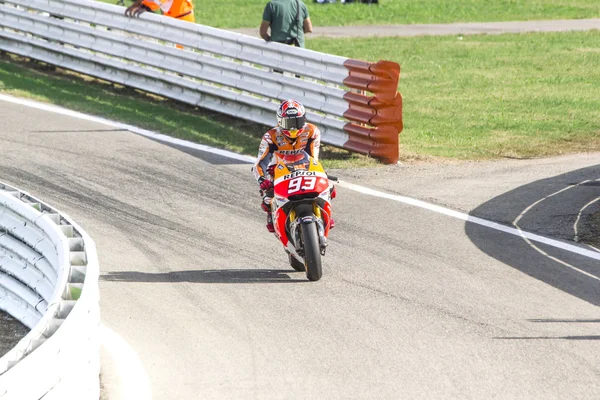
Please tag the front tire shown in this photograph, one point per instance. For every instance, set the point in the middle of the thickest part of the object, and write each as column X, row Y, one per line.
column 312, row 251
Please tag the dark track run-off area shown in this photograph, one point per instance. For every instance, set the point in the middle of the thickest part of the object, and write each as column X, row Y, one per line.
column 11, row 331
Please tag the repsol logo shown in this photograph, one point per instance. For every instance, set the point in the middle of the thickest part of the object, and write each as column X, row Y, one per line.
column 290, row 152
column 300, row 173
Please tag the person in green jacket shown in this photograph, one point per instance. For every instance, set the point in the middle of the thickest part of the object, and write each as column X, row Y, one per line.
column 288, row 20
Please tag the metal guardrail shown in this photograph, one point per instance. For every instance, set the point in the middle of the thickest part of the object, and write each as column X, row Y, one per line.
column 49, row 282
column 211, row 68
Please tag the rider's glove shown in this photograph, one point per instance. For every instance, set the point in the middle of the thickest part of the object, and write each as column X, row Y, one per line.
column 265, row 184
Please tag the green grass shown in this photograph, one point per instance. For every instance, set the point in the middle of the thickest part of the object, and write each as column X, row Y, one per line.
column 126, row 105
column 74, row 292
column 472, row 97
column 40, row 82
column 248, row 13
column 481, row 96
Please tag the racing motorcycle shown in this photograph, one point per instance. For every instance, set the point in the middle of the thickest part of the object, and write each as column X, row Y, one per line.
column 301, row 210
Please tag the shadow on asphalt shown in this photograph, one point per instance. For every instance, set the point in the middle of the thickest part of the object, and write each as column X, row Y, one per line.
column 554, row 217
column 208, row 276
column 206, row 156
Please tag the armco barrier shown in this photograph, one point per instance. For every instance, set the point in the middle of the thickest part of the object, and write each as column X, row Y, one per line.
column 49, row 282
column 217, row 70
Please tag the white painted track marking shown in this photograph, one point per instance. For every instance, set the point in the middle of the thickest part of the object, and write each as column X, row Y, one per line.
column 475, row 220
column 526, row 210
column 152, row 135
column 542, row 252
column 575, row 229
column 576, row 237
column 407, row 200
column 133, row 380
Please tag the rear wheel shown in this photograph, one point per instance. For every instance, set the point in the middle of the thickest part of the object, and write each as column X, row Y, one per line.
column 297, row 265
column 312, row 252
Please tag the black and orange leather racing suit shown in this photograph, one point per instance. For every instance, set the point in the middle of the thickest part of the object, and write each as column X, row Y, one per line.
column 274, row 141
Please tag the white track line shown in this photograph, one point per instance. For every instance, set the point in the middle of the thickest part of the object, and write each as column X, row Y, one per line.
column 579, row 217
column 407, row 200
column 133, row 380
column 576, row 237
column 525, row 211
column 475, row 220
column 575, row 230
column 566, row 264
column 152, row 135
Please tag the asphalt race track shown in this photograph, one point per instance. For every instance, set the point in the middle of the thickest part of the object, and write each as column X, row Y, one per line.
column 412, row 304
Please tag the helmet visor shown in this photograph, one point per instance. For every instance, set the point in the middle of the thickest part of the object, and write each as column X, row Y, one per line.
column 293, row 123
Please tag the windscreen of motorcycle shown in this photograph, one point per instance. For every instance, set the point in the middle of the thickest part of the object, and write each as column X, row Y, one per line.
column 302, row 176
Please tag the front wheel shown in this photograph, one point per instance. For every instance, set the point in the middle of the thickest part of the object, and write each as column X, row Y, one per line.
column 312, row 252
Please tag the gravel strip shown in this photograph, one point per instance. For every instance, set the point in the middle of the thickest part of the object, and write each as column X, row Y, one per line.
column 11, row 331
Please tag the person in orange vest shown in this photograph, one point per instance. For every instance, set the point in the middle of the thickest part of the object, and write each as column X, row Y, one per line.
column 152, row 6
column 180, row 9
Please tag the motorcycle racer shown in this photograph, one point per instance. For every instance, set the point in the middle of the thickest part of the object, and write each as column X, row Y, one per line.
column 292, row 135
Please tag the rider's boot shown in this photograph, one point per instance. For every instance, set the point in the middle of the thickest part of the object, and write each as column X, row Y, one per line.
column 270, row 226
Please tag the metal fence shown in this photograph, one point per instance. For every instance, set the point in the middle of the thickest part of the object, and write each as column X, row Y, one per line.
column 226, row 72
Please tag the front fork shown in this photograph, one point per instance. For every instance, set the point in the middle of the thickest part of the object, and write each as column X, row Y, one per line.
column 294, row 227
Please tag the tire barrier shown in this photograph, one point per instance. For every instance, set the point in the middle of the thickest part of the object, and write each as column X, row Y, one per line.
column 222, row 71
column 49, row 282
column 382, row 111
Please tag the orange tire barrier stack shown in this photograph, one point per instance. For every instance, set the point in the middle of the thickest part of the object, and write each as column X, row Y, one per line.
column 376, row 120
